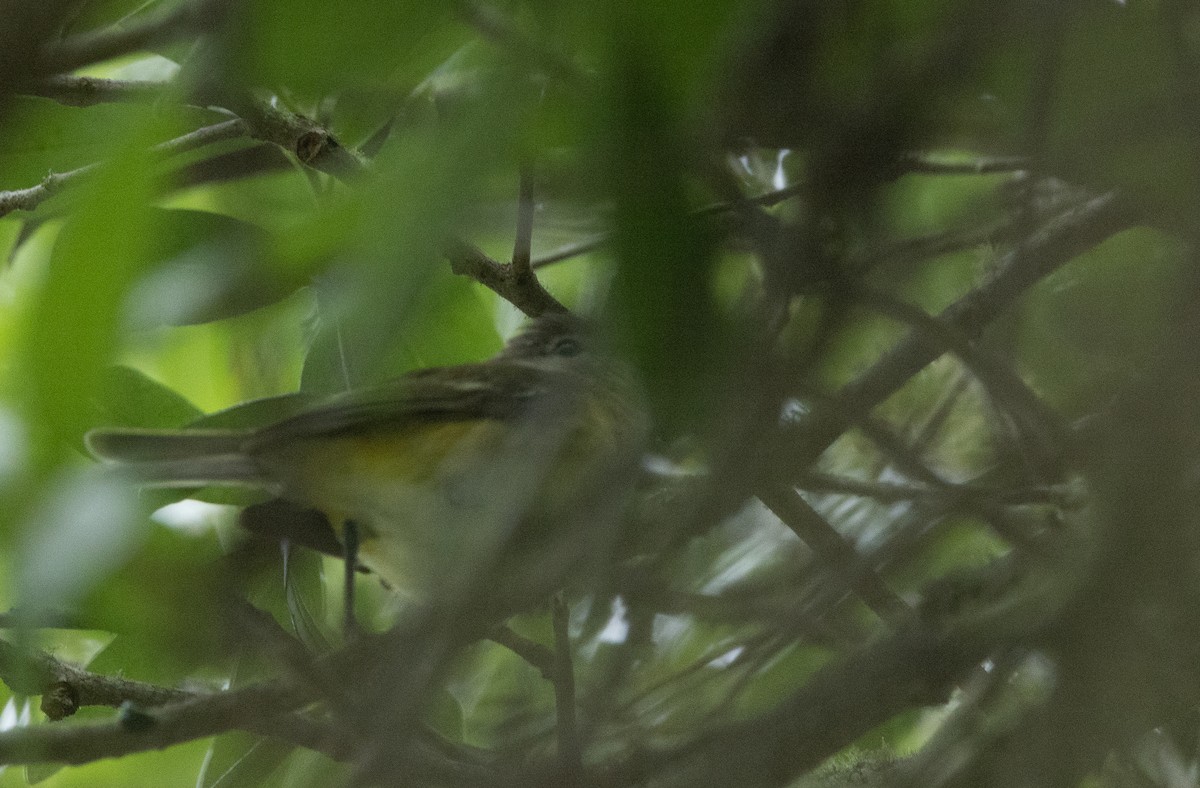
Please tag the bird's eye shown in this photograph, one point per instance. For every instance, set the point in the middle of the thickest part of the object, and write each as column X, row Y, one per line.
column 566, row 346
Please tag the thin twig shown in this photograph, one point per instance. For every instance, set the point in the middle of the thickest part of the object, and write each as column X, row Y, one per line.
column 524, row 240
column 928, row 164
column 601, row 240
column 1002, row 382
column 568, row 251
column 65, row 689
column 208, row 135
column 256, row 708
column 350, row 536
column 835, row 552
column 891, row 492
column 30, row 198
column 917, row 665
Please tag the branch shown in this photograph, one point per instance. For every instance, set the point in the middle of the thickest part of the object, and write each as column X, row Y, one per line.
column 890, row 492
column 76, row 91
column 208, row 135
column 1068, row 235
column 515, row 282
column 521, row 288
column 997, row 378
column 531, row 651
column 30, row 198
column 922, row 163
column 317, row 148
column 65, row 688
column 835, row 552
column 312, row 143
column 918, row 665
column 256, row 709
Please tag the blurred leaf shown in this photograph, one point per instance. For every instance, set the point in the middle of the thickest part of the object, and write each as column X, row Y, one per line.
column 163, row 607
column 93, row 16
column 40, row 772
column 307, row 769
column 1120, row 116
column 71, row 330
column 85, row 527
column 1088, row 327
column 317, row 49
column 692, row 39
column 662, row 285
column 791, row 668
column 77, row 646
column 45, row 136
column 49, row 137
column 90, row 14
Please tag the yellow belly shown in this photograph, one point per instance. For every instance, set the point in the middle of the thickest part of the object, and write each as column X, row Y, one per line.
column 440, row 505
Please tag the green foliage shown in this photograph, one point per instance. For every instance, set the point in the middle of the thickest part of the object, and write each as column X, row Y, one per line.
column 1029, row 453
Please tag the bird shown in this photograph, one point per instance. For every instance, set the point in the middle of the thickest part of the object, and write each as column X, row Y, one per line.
column 500, row 478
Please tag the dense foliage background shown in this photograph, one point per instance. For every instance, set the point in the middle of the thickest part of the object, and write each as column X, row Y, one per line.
column 911, row 286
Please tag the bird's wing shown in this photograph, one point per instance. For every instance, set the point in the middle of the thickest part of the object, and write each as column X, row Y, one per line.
column 495, row 390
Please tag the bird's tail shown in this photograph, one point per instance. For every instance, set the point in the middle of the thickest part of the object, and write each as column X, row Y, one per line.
column 177, row 458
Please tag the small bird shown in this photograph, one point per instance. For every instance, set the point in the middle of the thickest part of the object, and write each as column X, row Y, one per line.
column 505, row 475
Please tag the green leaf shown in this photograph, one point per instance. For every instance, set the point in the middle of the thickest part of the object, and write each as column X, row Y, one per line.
column 1120, row 108
column 154, row 604
column 46, row 136
column 316, row 48
column 239, row 760
column 447, row 324
column 445, row 714
column 305, row 595
column 71, row 329
column 663, row 284
column 40, row 772
column 211, row 267
column 1087, row 328
column 256, row 412
column 129, row 398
